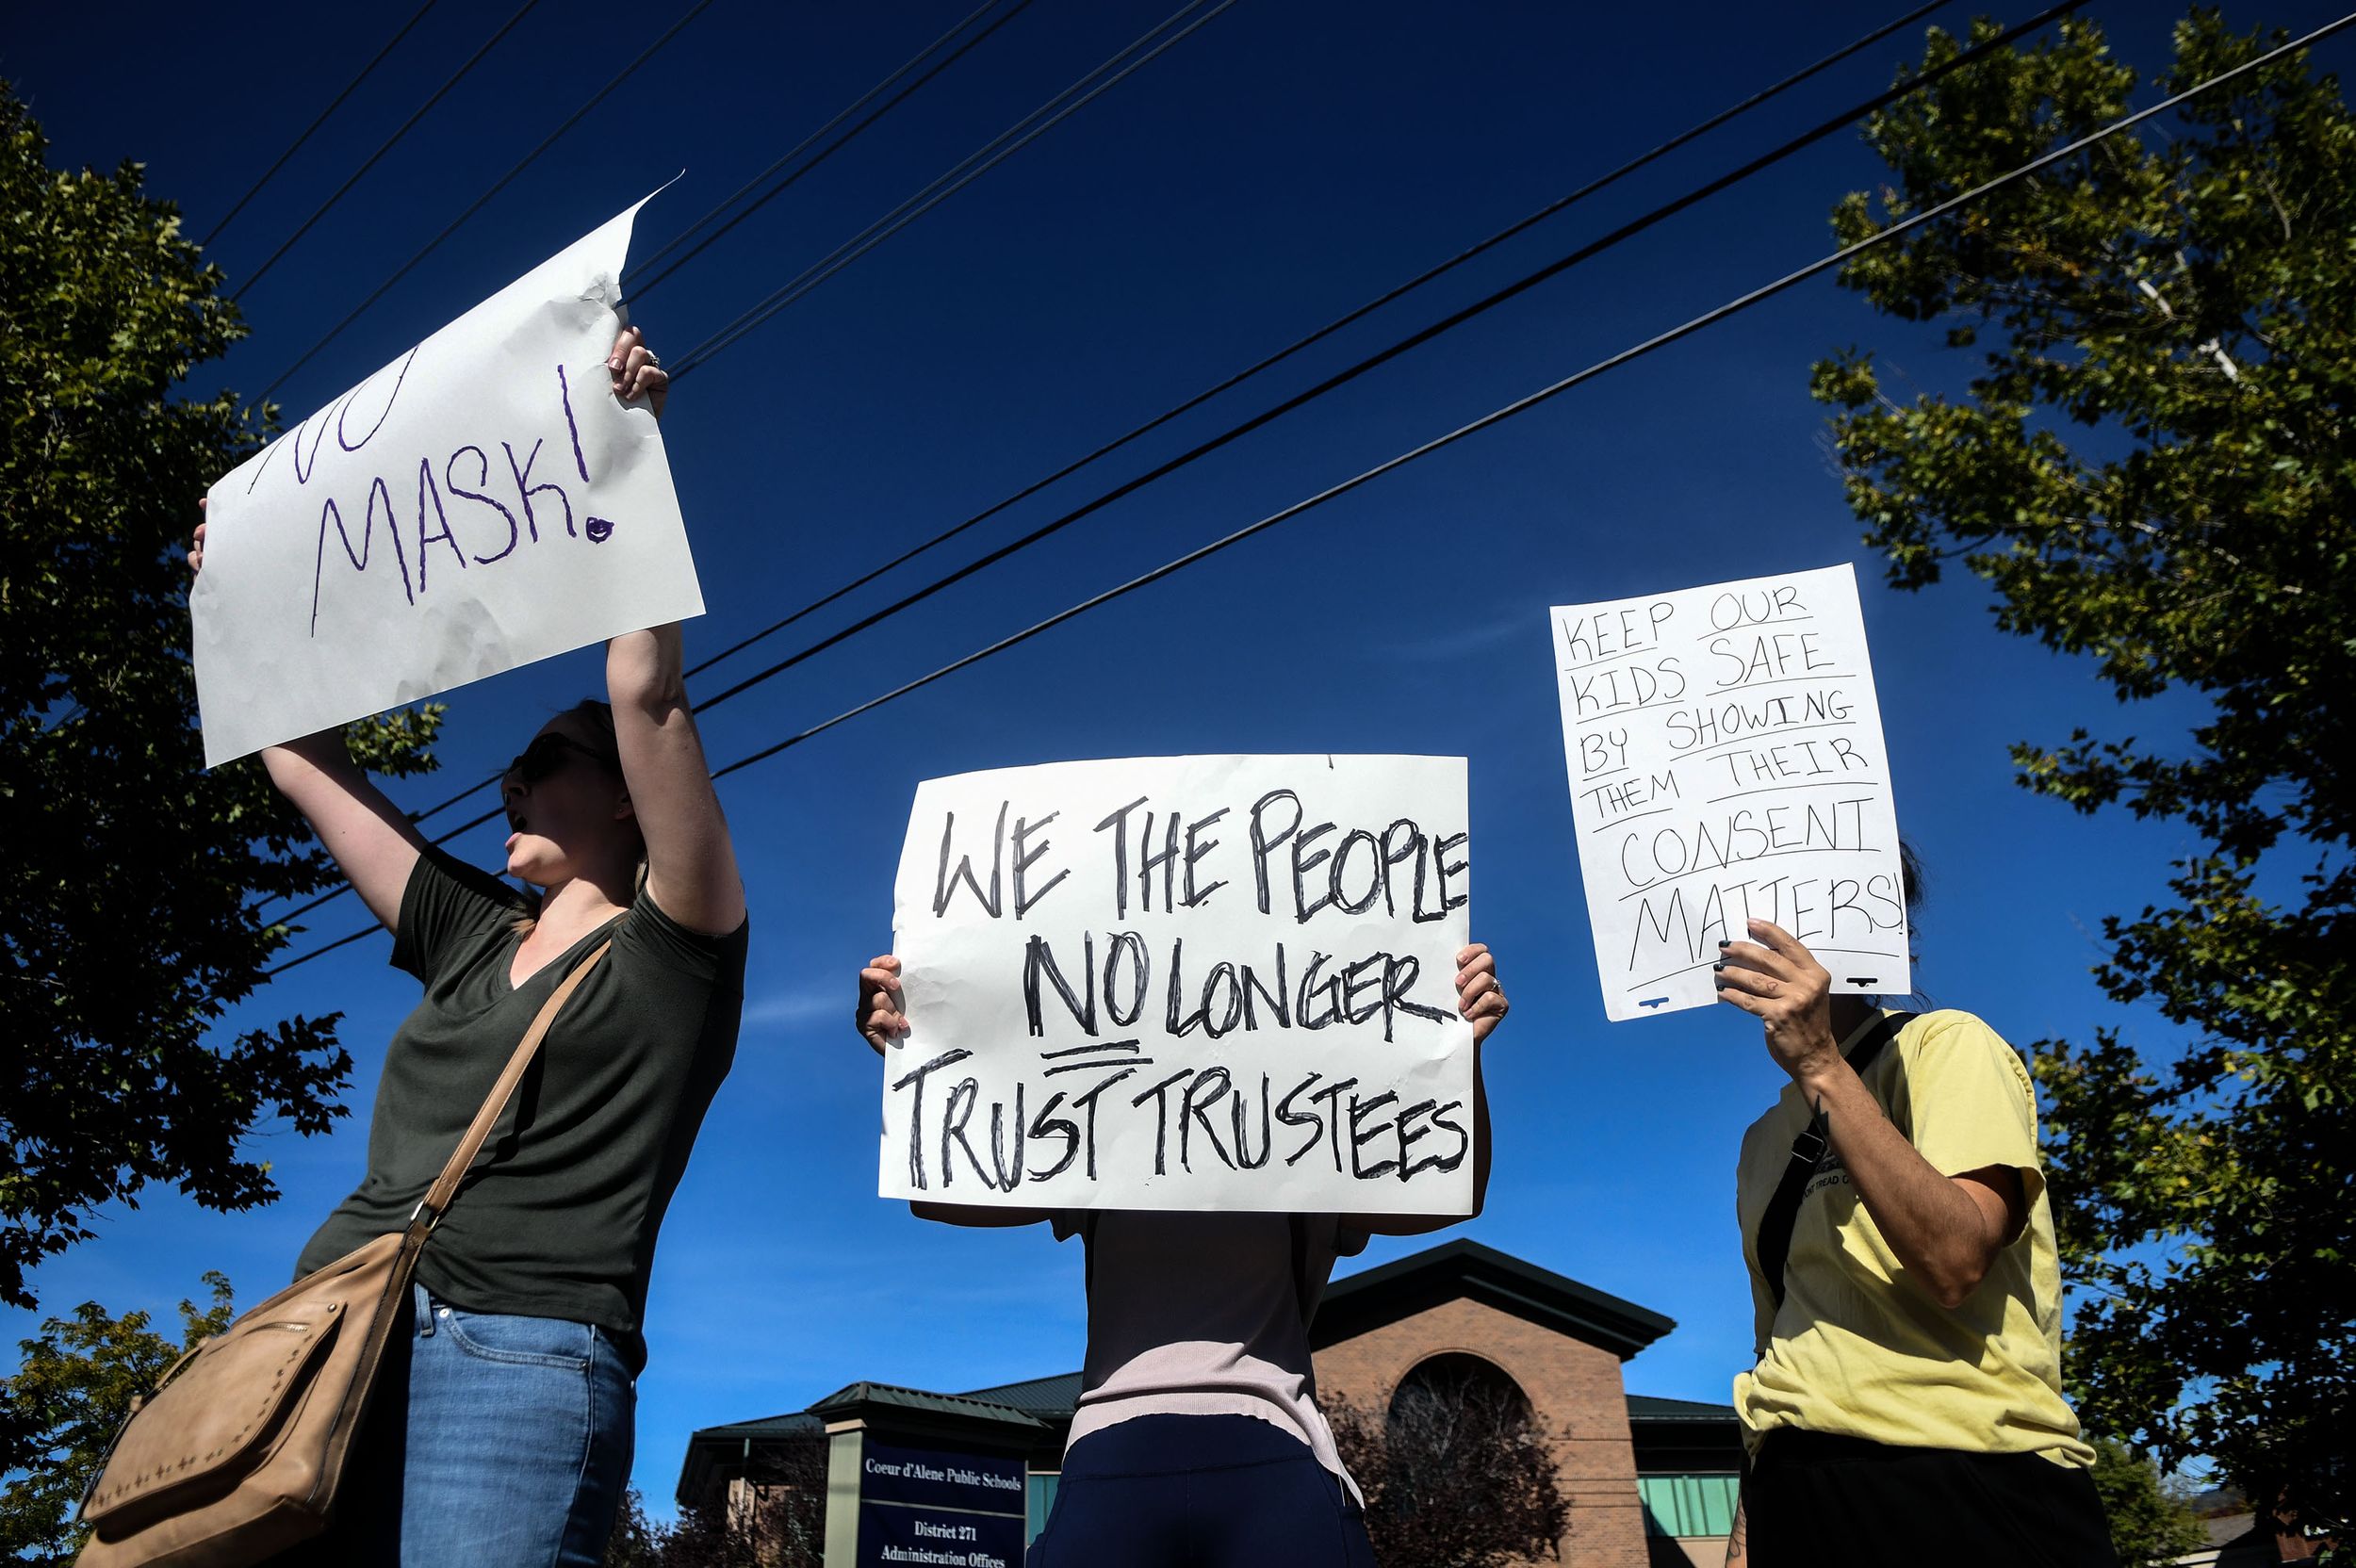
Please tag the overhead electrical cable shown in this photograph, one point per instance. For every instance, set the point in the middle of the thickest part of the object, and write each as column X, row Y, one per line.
column 1524, row 404
column 1004, row 145
column 637, row 290
column 472, row 60
column 496, row 186
column 1857, row 112
column 296, row 145
column 1326, row 330
column 899, row 219
column 1520, row 405
column 1414, row 339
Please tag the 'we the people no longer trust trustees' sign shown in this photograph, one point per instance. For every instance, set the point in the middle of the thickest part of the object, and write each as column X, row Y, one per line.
column 481, row 502
column 1727, row 762
column 1185, row 983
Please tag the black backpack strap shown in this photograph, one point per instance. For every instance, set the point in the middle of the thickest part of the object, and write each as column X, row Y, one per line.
column 1300, row 1268
column 1775, row 1225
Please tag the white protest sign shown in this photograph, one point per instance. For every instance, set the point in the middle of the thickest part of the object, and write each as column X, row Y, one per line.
column 483, row 501
column 1185, row 983
column 1727, row 762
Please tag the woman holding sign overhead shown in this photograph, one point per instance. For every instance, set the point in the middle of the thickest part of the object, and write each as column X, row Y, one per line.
column 1197, row 1439
column 1907, row 1402
column 501, row 1424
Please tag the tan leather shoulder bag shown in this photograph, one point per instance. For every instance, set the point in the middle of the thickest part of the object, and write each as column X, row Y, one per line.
column 236, row 1454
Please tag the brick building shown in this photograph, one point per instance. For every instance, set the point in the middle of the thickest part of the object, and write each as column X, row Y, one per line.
column 1650, row 1482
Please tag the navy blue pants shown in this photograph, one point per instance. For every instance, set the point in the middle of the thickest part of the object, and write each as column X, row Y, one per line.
column 1200, row 1491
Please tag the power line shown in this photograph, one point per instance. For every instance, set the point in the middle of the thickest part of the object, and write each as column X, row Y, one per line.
column 864, row 98
column 1520, row 405
column 638, row 290
column 1004, row 145
column 1414, row 339
column 1859, row 111
column 843, row 256
column 472, row 60
column 496, row 186
column 296, row 145
column 1509, row 232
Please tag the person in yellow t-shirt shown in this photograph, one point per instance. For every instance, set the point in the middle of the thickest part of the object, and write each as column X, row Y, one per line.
column 1905, row 1407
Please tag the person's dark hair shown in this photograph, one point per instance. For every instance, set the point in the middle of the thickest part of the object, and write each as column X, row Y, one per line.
column 1912, row 879
column 1913, row 886
column 597, row 717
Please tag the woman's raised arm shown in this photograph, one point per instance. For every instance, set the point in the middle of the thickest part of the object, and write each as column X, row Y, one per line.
column 691, row 864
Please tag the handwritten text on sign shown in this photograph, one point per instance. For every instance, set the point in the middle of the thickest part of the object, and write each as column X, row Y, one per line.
column 1185, row 983
column 1727, row 762
column 481, row 502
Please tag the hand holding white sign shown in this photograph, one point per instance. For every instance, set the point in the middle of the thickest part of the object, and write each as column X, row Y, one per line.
column 486, row 499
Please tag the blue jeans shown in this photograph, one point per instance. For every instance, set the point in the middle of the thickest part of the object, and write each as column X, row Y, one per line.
column 1200, row 1491
column 493, row 1442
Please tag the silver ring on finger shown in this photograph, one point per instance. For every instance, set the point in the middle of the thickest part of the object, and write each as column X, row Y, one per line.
column 652, row 361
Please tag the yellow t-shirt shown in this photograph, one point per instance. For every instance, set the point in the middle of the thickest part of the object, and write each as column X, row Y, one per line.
column 1858, row 1349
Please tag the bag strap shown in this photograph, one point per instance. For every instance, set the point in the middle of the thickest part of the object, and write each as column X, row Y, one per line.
column 1300, row 1269
column 438, row 1197
column 1783, row 1209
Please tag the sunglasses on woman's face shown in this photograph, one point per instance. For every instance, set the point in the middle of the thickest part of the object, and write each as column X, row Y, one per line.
column 544, row 755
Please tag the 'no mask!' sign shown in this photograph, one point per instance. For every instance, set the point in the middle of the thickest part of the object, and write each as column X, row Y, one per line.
column 1185, row 983
column 483, row 501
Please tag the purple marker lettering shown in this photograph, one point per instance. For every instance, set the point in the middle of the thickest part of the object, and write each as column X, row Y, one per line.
column 304, row 470
column 425, row 488
column 524, row 485
column 564, row 393
column 355, row 446
column 450, row 479
column 598, row 530
column 358, row 558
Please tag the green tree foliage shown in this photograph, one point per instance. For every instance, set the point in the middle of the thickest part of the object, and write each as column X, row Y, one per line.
column 775, row 1518
column 2152, row 1521
column 61, row 1410
column 635, row 1542
column 2154, row 463
column 130, row 921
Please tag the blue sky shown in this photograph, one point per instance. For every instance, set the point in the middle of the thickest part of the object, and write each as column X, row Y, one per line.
column 1283, row 164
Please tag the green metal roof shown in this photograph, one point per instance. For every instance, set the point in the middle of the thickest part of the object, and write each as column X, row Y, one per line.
column 843, row 1400
column 1647, row 1406
column 1054, row 1397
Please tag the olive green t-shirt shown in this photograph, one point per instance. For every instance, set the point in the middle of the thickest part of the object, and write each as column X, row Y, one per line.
column 559, row 1215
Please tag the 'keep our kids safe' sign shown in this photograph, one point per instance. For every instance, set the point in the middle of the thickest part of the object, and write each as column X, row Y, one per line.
column 1185, row 983
column 1727, row 762
column 483, row 501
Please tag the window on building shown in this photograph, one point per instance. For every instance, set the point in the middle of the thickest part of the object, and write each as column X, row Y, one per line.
column 1442, row 1387
column 1039, row 1499
column 1688, row 1505
column 1453, row 1415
